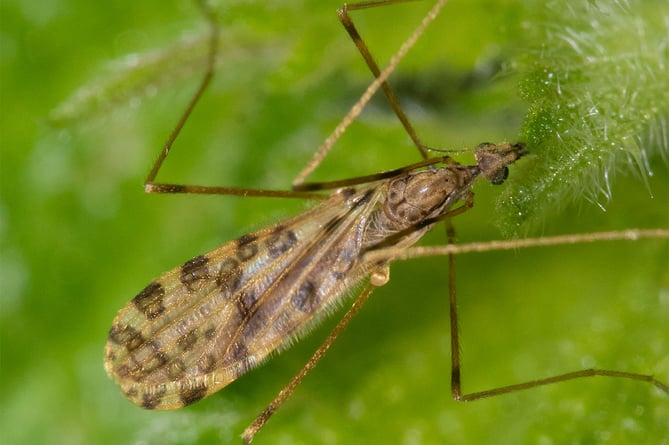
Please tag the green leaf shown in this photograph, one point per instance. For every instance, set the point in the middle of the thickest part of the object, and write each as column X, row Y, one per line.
column 594, row 75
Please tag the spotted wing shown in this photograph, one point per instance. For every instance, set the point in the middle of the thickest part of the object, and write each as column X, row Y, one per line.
column 200, row 326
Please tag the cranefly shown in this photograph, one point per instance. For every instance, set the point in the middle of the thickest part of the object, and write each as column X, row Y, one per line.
column 203, row 324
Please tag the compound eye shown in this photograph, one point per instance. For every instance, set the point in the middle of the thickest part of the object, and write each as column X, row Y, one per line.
column 500, row 176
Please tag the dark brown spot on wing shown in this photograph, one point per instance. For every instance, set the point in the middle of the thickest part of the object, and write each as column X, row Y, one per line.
column 281, row 241
column 365, row 198
column 228, row 265
column 245, row 240
column 210, row 333
column 188, row 340
column 347, row 192
column 131, row 393
column 207, row 363
column 247, row 301
column 191, row 395
column 124, row 371
column 246, row 247
column 127, row 336
column 306, row 298
column 229, row 276
column 150, row 300
column 157, row 359
column 194, row 270
column 152, row 399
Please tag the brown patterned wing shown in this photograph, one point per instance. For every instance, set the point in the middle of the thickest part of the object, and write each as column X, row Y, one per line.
column 202, row 325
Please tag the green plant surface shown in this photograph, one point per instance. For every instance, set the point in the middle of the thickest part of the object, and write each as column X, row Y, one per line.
column 90, row 92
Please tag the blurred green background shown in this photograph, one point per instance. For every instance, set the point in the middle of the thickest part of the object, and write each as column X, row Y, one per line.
column 90, row 92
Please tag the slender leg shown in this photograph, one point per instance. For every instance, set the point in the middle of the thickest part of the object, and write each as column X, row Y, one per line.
column 453, row 315
column 348, row 24
column 287, row 390
column 456, row 372
column 488, row 246
column 299, row 191
column 150, row 186
column 357, row 108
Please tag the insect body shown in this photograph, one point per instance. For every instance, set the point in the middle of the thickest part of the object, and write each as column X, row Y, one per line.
column 203, row 324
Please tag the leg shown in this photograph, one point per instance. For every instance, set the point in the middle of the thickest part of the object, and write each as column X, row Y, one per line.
column 456, row 385
column 488, row 246
column 287, row 390
column 381, row 78
column 150, row 186
column 348, row 24
column 300, row 190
